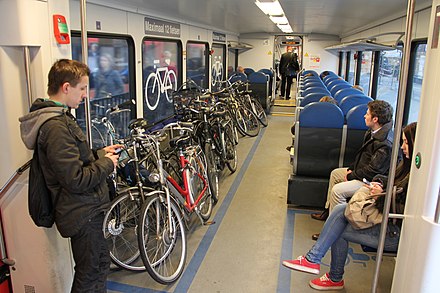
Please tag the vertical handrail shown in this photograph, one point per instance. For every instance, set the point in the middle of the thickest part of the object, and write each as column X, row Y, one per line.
column 85, row 55
column 397, row 132
column 437, row 210
column 27, row 70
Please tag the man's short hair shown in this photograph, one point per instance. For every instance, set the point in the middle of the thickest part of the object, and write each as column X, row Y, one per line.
column 65, row 70
column 382, row 110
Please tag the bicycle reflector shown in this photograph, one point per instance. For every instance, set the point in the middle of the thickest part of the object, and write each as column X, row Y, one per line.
column 153, row 177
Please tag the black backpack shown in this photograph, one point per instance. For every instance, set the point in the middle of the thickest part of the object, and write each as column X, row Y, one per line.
column 40, row 205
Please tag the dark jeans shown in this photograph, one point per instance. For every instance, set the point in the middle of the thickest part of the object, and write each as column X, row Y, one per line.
column 92, row 257
column 285, row 89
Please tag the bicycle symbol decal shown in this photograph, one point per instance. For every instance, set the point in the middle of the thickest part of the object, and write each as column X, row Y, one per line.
column 159, row 82
column 217, row 71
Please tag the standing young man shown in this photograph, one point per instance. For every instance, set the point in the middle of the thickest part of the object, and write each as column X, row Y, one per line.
column 74, row 174
column 372, row 158
column 286, row 81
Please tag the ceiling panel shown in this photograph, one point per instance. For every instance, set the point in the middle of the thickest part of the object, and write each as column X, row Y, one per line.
column 335, row 17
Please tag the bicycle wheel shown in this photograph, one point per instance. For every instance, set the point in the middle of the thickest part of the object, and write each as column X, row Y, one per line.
column 231, row 151
column 259, row 112
column 196, row 185
column 120, row 230
column 247, row 122
column 152, row 91
column 170, row 85
column 162, row 243
column 211, row 170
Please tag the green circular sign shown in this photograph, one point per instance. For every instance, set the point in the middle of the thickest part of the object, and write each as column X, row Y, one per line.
column 418, row 160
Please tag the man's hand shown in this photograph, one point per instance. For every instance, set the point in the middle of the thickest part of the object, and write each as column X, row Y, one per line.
column 113, row 157
column 112, row 148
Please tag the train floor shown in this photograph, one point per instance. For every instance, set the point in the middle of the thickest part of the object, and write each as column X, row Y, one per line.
column 253, row 231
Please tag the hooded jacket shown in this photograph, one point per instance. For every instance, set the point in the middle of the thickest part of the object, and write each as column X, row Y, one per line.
column 74, row 176
column 374, row 156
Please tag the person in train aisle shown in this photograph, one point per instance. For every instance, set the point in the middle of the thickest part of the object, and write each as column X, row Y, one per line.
column 291, row 72
column 284, row 61
column 337, row 231
column 372, row 158
column 74, row 174
column 106, row 81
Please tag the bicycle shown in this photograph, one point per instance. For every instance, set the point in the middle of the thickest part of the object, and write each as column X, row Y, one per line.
column 161, row 235
column 161, row 81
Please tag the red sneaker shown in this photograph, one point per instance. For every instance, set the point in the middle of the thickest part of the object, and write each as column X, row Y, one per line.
column 324, row 283
column 303, row 265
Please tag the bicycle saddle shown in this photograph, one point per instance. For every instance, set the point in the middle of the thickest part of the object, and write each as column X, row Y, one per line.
column 138, row 123
column 180, row 141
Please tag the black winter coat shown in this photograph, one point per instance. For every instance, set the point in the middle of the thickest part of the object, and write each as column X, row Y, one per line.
column 75, row 176
column 374, row 156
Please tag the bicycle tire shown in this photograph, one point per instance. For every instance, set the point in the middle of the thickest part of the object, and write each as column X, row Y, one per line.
column 212, row 172
column 149, row 91
column 163, row 255
column 170, row 82
column 247, row 122
column 259, row 112
column 120, row 230
column 231, row 152
column 196, row 186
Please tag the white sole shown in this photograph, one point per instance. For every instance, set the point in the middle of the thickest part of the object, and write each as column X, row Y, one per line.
column 325, row 288
column 300, row 268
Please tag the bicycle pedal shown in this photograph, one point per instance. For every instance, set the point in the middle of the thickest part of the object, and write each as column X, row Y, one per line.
column 209, row 223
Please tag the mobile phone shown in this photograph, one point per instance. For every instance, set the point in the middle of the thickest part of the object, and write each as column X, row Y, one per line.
column 366, row 181
column 118, row 151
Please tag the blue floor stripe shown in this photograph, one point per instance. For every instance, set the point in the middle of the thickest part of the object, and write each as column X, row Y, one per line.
column 192, row 268
column 284, row 274
column 120, row 287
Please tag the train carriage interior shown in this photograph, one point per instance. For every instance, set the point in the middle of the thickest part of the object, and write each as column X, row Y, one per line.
column 228, row 152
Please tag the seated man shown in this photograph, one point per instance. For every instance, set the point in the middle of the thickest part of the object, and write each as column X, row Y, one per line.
column 372, row 158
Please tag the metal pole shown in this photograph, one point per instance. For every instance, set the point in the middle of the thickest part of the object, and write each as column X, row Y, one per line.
column 437, row 210
column 84, row 60
column 27, row 69
column 397, row 132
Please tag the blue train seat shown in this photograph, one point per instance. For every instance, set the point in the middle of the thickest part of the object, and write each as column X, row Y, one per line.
column 330, row 78
column 311, row 98
column 334, row 82
column 305, row 72
column 311, row 90
column 355, row 132
column 312, row 83
column 259, row 85
column 351, row 101
column 327, row 73
column 317, row 148
column 266, row 71
column 248, row 71
column 339, row 86
column 238, row 76
column 342, row 93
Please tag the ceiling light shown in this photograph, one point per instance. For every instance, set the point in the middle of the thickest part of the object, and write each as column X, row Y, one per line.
column 279, row 19
column 285, row 28
column 270, row 8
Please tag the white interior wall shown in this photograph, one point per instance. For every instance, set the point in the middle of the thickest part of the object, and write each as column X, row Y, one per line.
column 263, row 48
column 316, row 48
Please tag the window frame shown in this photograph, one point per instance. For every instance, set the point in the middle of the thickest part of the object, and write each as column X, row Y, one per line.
column 207, row 67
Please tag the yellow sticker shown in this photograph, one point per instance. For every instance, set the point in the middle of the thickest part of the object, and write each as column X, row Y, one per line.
column 269, row 53
column 306, row 55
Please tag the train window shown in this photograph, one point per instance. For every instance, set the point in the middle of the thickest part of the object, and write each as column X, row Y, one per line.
column 110, row 83
column 416, row 81
column 364, row 80
column 161, row 70
column 196, row 60
column 218, row 63
column 342, row 64
column 232, row 61
column 352, row 68
column 389, row 72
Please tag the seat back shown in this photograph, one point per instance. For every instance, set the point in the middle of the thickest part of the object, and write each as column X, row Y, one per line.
column 343, row 85
column 248, row 71
column 311, row 90
column 238, row 77
column 342, row 93
column 318, row 136
column 259, row 85
column 351, row 101
column 356, row 129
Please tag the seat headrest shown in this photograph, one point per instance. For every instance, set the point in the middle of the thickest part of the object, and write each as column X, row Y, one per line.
column 355, row 117
column 321, row 115
column 351, row 101
column 258, row 77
